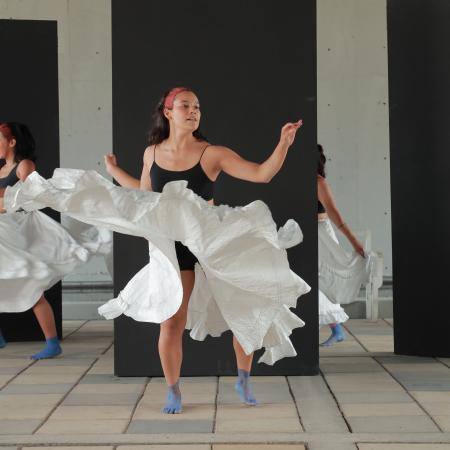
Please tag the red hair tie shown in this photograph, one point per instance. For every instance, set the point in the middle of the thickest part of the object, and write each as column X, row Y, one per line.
column 170, row 97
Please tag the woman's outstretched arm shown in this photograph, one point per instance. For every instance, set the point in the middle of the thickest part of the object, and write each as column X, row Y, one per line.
column 234, row 165
column 327, row 199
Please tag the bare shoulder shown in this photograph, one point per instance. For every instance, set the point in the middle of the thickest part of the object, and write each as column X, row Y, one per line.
column 218, row 152
column 321, row 182
column 25, row 167
column 149, row 154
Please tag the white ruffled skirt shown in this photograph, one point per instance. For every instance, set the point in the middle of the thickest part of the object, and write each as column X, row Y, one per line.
column 243, row 281
column 36, row 252
column 340, row 275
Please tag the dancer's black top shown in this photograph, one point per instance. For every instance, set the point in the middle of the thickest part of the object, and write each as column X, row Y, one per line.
column 11, row 179
column 320, row 208
column 196, row 177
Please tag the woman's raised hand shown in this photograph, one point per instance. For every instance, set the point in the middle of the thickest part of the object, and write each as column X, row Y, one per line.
column 288, row 132
column 110, row 162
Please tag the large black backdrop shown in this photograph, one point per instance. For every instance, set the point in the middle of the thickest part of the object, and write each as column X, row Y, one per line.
column 253, row 66
column 29, row 94
column 419, row 95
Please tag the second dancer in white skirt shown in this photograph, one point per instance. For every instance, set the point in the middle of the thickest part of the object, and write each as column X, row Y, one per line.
column 340, row 273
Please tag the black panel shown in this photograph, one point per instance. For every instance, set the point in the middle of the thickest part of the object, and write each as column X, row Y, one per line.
column 29, row 81
column 419, row 91
column 253, row 66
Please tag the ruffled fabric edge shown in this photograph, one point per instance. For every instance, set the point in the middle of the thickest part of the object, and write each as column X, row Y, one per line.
column 333, row 317
column 276, row 339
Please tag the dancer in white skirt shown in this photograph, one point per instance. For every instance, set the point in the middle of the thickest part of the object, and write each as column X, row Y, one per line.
column 35, row 251
column 242, row 282
column 340, row 273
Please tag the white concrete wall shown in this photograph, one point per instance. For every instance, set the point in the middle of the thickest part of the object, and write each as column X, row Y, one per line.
column 353, row 115
column 85, row 87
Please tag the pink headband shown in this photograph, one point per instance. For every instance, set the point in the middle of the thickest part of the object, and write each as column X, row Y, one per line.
column 170, row 97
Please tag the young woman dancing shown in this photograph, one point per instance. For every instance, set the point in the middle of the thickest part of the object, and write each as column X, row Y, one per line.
column 212, row 268
column 337, row 269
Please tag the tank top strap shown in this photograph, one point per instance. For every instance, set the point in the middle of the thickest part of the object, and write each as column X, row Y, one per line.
column 203, row 152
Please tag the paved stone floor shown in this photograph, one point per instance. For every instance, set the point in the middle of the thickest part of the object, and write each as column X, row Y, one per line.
column 366, row 398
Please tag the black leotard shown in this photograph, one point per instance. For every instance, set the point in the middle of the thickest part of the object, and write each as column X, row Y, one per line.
column 320, row 208
column 196, row 177
column 198, row 181
column 10, row 179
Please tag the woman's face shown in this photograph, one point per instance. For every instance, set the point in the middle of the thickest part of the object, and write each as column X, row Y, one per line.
column 185, row 113
column 6, row 146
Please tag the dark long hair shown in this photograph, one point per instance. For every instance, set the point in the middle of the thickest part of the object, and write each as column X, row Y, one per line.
column 160, row 129
column 321, row 161
column 25, row 145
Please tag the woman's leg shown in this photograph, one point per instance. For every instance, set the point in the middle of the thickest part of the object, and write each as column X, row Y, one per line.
column 44, row 315
column 337, row 335
column 244, row 365
column 170, row 345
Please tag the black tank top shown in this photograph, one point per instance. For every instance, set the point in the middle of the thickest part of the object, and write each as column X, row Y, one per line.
column 197, row 179
column 320, row 208
column 11, row 179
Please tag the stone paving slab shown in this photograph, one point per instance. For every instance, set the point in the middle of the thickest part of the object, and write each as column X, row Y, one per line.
column 102, row 447
column 349, row 365
column 317, row 407
column 409, row 446
column 372, row 397
column 101, row 399
column 92, row 412
column 405, row 359
column 110, row 389
column 165, row 447
column 443, row 422
column 331, row 446
column 66, row 361
column 170, row 426
column 278, row 418
column 387, row 424
column 258, row 447
column 27, row 389
column 64, row 378
column 18, row 426
column 57, row 427
column 381, row 409
column 362, row 382
column 111, row 379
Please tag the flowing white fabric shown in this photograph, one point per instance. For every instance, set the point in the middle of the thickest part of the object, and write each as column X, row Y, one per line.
column 330, row 312
column 243, row 283
column 340, row 273
column 36, row 252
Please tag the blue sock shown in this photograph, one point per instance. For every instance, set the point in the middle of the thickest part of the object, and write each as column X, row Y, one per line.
column 173, row 403
column 338, row 331
column 51, row 349
column 2, row 340
column 337, row 335
column 244, row 389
